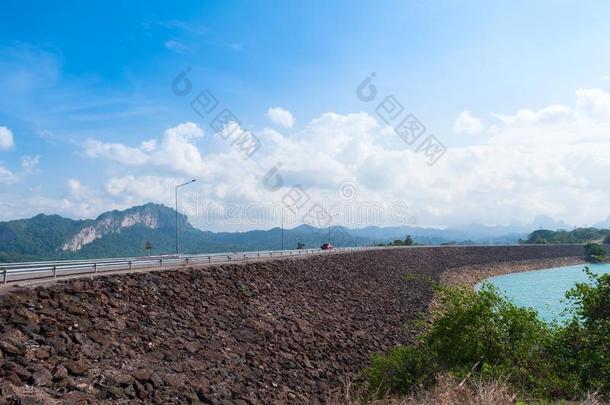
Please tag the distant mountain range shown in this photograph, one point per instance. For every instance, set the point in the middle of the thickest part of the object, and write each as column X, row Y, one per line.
column 125, row 233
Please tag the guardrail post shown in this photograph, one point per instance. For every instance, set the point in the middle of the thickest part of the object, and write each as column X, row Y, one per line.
column 4, row 274
column 187, row 261
column 160, row 262
column 95, row 267
column 130, row 265
column 229, row 257
column 209, row 259
column 54, row 271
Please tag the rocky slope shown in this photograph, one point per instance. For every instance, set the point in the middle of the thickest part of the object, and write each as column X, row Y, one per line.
column 114, row 222
column 288, row 330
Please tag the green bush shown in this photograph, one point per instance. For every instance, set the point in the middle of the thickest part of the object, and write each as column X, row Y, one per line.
column 483, row 333
column 586, row 338
column 401, row 370
column 595, row 252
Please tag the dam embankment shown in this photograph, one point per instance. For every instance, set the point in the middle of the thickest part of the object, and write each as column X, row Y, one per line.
column 285, row 330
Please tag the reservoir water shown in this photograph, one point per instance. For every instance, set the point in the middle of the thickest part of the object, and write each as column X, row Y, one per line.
column 544, row 290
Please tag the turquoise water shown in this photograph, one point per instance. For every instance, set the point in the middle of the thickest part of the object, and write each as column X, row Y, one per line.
column 544, row 290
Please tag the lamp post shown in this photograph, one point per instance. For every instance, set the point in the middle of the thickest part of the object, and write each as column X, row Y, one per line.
column 330, row 220
column 176, row 190
column 282, row 221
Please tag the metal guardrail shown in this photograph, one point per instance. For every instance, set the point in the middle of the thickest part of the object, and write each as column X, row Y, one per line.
column 28, row 271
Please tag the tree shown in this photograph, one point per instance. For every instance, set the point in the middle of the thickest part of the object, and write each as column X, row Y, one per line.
column 148, row 247
column 408, row 241
column 300, row 245
column 595, row 252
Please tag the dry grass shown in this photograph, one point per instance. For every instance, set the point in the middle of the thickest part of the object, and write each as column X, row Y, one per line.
column 450, row 391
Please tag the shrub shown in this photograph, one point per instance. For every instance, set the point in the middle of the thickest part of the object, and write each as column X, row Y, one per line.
column 595, row 252
column 586, row 338
column 479, row 332
column 402, row 370
column 482, row 333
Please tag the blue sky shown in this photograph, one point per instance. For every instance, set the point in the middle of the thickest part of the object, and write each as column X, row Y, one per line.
column 79, row 80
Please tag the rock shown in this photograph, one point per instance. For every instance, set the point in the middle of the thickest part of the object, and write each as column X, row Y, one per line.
column 77, row 398
column 77, row 367
column 18, row 370
column 10, row 345
column 59, row 344
column 119, row 378
column 130, row 391
column 41, row 353
column 141, row 375
column 113, row 392
column 59, row 373
column 156, row 380
column 140, row 390
column 42, row 378
column 172, row 380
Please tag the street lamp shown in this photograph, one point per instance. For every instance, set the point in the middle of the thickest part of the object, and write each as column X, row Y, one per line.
column 330, row 220
column 282, row 221
column 178, row 186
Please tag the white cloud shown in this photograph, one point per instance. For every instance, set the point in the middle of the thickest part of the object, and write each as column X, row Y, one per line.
column 548, row 115
column 149, row 146
column 137, row 190
column 551, row 160
column 7, row 176
column 6, row 139
column 179, row 47
column 280, row 116
column 176, row 150
column 116, row 151
column 465, row 123
column 594, row 102
column 29, row 163
column 74, row 185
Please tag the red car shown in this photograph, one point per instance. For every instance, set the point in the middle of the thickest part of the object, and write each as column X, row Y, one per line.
column 326, row 246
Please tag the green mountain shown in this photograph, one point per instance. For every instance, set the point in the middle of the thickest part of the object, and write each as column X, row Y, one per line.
column 125, row 233
column 578, row 235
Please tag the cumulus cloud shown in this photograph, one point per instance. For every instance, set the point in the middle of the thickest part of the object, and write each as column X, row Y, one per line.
column 142, row 189
column 176, row 150
column 551, row 160
column 6, row 139
column 465, row 123
column 280, row 116
column 548, row 115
